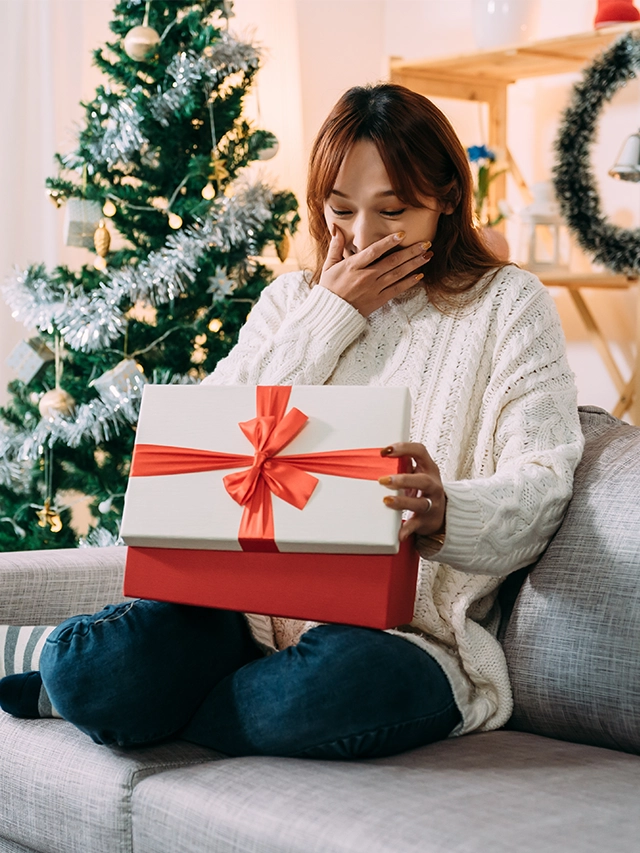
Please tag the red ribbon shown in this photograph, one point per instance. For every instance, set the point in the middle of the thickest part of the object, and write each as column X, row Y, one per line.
column 286, row 477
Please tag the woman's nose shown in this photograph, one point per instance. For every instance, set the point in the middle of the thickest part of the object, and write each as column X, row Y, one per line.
column 364, row 233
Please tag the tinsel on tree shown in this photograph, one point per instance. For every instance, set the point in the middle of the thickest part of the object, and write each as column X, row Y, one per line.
column 159, row 160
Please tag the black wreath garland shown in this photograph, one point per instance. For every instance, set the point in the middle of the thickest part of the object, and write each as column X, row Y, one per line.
column 617, row 248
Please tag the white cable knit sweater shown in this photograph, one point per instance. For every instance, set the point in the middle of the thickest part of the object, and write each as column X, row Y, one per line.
column 494, row 402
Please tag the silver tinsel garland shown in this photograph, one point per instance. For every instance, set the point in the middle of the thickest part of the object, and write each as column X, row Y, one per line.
column 89, row 322
column 98, row 421
column 99, row 537
column 189, row 70
column 121, row 134
column 574, row 181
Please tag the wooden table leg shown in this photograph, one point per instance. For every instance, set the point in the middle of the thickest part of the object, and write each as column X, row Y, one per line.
column 598, row 340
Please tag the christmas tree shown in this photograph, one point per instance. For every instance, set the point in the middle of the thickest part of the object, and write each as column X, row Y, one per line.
column 157, row 170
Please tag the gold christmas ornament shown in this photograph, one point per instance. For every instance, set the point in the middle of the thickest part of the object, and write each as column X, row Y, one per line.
column 208, row 192
column 175, row 221
column 102, row 239
column 56, row 197
column 56, row 402
column 109, row 208
column 100, row 264
column 219, row 171
column 282, row 247
column 140, row 43
column 48, row 516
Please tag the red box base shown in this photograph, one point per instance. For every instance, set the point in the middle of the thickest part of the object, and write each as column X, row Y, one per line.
column 373, row 591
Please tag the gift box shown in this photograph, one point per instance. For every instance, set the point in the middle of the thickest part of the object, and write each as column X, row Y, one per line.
column 267, row 500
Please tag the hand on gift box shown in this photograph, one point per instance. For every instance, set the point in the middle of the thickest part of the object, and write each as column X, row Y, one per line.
column 421, row 492
column 369, row 279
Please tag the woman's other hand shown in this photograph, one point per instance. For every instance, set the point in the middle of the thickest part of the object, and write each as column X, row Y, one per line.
column 370, row 278
column 421, row 492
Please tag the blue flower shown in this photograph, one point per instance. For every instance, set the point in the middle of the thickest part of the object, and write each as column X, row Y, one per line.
column 480, row 152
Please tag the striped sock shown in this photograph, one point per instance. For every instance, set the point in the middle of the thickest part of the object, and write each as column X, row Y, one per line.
column 21, row 690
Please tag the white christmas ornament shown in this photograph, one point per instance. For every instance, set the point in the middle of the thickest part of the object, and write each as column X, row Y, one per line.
column 269, row 153
column 140, row 43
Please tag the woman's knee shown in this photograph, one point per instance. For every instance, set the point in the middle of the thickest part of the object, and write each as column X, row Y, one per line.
column 137, row 671
column 341, row 692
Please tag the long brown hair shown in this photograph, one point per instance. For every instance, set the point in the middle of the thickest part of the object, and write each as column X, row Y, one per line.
column 423, row 157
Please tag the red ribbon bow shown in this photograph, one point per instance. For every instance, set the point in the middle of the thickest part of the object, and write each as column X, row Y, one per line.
column 284, row 476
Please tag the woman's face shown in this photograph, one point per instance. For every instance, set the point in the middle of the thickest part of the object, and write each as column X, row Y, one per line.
column 365, row 208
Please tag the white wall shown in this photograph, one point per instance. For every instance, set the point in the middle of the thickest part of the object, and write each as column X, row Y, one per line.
column 314, row 50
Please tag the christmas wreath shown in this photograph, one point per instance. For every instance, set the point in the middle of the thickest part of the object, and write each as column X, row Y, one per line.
column 617, row 248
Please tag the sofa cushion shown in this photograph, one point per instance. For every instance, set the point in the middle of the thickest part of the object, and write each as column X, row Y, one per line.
column 501, row 791
column 62, row 793
column 573, row 639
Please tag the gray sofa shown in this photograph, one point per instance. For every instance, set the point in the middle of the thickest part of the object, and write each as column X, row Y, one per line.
column 564, row 775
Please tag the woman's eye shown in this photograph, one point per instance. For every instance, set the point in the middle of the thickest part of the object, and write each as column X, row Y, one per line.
column 340, row 212
column 393, row 212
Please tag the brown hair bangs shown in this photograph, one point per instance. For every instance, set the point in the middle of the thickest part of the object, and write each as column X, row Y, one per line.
column 423, row 158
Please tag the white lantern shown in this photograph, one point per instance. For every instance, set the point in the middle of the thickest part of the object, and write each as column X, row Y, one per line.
column 544, row 239
column 122, row 382
column 81, row 218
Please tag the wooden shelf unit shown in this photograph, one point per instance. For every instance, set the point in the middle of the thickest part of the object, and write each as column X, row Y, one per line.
column 485, row 76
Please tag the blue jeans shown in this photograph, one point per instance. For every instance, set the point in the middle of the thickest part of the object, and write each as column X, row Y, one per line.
column 145, row 671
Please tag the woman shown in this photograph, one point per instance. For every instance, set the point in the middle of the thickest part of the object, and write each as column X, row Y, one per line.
column 404, row 293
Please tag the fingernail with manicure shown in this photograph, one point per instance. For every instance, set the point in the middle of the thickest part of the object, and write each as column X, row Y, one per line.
column 426, row 245
column 399, row 236
column 388, row 501
column 419, row 276
column 386, row 450
column 385, row 481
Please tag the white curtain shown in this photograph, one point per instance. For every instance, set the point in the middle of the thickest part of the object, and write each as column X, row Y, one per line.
column 27, row 218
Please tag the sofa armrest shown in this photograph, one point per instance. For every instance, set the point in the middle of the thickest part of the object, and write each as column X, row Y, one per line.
column 46, row 587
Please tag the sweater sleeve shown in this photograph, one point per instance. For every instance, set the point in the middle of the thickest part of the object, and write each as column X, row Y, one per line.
column 294, row 336
column 498, row 523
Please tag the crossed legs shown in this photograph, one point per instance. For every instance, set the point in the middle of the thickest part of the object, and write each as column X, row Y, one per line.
column 145, row 671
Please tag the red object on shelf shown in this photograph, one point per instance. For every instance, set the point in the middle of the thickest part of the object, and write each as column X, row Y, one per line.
column 371, row 590
column 612, row 12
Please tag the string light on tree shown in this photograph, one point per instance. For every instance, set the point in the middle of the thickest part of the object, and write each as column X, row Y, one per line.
column 56, row 196
column 109, row 209
column 175, row 221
